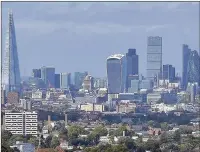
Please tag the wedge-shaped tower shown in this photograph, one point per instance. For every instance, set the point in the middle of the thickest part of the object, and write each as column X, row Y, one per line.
column 10, row 70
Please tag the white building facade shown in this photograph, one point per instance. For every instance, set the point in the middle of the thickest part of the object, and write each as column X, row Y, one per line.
column 25, row 123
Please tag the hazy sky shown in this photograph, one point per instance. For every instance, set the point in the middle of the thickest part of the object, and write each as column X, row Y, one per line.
column 79, row 36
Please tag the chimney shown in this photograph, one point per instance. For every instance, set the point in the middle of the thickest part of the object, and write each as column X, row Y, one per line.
column 66, row 120
column 49, row 121
column 124, row 133
column 4, row 122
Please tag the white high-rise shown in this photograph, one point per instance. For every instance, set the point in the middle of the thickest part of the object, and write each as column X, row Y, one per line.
column 22, row 123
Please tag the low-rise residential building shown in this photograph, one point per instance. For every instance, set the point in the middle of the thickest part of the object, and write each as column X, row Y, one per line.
column 125, row 107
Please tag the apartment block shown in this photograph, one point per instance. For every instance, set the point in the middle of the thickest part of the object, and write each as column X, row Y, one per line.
column 22, row 123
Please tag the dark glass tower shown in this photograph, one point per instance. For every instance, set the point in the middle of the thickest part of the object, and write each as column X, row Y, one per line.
column 132, row 62
column 168, row 72
column 10, row 70
column 193, row 67
column 185, row 58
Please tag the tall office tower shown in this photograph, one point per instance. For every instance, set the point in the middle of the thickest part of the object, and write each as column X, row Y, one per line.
column 36, row 73
column 132, row 62
column 193, row 67
column 154, row 57
column 116, row 73
column 168, row 72
column 57, row 80
column 10, row 70
column 78, row 79
column 185, row 58
column 65, row 80
column 48, row 76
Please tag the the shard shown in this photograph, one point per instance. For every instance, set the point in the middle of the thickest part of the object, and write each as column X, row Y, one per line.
column 10, row 70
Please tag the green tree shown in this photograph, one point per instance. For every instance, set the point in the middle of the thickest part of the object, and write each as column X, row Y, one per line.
column 164, row 126
column 48, row 141
column 55, row 142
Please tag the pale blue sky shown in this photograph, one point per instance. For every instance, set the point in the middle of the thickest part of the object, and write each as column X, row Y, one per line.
column 79, row 36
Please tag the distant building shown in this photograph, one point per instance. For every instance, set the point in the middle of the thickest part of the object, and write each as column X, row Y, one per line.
column 126, row 107
column 193, row 68
column 13, row 97
column 132, row 62
column 185, row 59
column 65, row 80
column 135, row 86
column 57, row 80
column 78, row 79
column 168, row 72
column 146, row 84
column 100, row 83
column 92, row 107
column 192, row 90
column 154, row 57
column 116, row 73
column 37, row 94
column 36, row 73
column 3, row 96
column 130, row 78
column 26, row 123
column 88, row 83
column 48, row 76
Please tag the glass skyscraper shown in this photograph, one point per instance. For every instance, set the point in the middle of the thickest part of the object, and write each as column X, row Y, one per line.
column 57, row 80
column 48, row 76
column 132, row 62
column 154, row 57
column 168, row 72
column 65, row 80
column 10, row 70
column 185, row 58
column 116, row 73
column 193, row 72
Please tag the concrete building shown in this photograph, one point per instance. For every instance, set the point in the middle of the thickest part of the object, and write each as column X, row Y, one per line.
column 125, row 107
column 22, row 123
column 92, row 107
column 88, row 83
column 37, row 94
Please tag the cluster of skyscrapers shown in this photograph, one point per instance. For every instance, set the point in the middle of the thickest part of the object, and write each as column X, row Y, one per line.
column 122, row 70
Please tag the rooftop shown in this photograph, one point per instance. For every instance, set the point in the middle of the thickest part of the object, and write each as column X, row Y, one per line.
column 116, row 56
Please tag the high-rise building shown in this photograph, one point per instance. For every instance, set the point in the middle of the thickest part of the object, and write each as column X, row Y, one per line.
column 116, row 73
column 57, row 80
column 21, row 123
column 154, row 57
column 168, row 72
column 36, row 73
column 48, row 76
column 132, row 62
column 78, row 79
column 193, row 67
column 10, row 70
column 65, row 80
column 185, row 58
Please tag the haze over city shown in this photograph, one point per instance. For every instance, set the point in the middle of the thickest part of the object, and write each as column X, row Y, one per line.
column 79, row 36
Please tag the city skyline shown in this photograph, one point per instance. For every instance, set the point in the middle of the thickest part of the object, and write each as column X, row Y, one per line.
column 108, row 33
